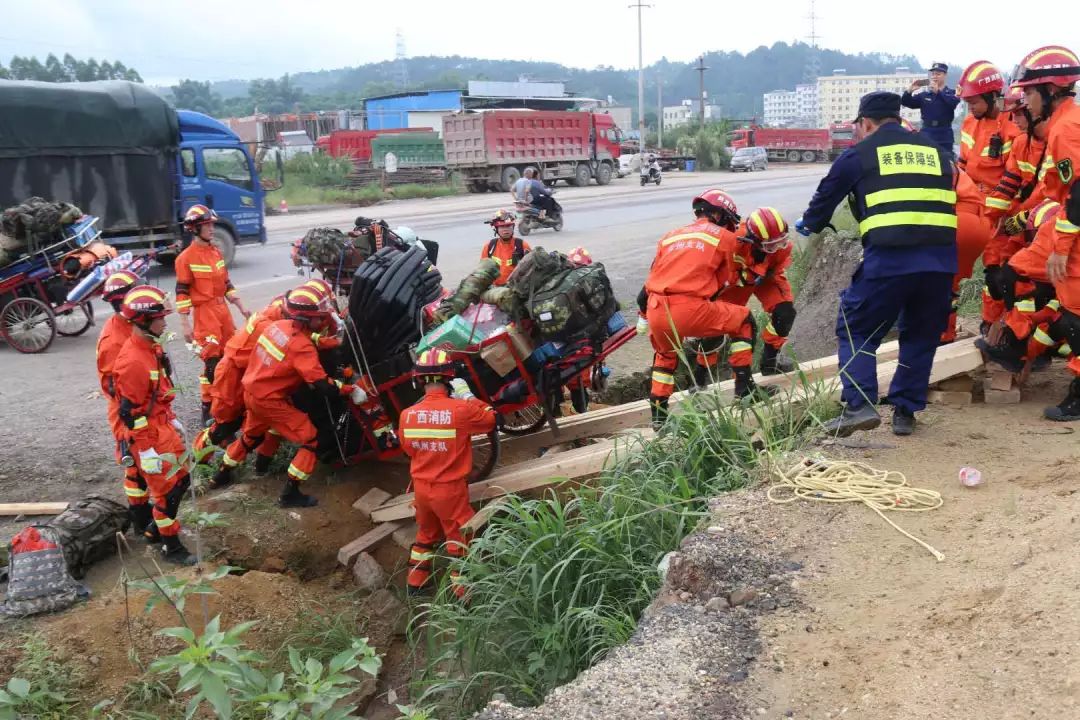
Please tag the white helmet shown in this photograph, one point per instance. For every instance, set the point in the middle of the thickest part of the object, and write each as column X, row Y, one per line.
column 407, row 235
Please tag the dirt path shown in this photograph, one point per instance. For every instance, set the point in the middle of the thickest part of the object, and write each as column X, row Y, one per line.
column 991, row 632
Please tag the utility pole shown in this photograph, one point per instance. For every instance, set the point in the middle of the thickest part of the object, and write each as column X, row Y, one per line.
column 640, row 77
column 701, row 87
column 659, row 112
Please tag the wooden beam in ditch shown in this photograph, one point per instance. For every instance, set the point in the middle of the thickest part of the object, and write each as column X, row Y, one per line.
column 951, row 360
column 32, row 508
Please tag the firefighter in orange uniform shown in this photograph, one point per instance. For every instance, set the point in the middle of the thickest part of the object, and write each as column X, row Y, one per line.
column 1048, row 77
column 986, row 141
column 144, row 392
column 1015, row 195
column 693, row 265
column 436, row 434
column 762, row 258
column 973, row 231
column 202, row 287
column 113, row 336
column 505, row 248
column 285, row 358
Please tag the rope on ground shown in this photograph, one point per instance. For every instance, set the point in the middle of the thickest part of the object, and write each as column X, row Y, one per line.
column 843, row 481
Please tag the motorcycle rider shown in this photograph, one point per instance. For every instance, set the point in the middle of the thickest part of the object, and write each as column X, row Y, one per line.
column 530, row 191
column 650, row 168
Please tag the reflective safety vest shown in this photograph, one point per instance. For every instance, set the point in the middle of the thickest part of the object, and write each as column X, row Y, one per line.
column 906, row 190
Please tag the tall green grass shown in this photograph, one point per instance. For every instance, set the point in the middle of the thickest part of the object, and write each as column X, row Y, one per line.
column 554, row 583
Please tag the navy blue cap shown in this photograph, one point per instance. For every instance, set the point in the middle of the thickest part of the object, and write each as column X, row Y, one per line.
column 939, row 67
column 878, row 104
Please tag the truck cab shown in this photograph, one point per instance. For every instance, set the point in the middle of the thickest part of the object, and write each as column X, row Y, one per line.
column 215, row 169
column 607, row 138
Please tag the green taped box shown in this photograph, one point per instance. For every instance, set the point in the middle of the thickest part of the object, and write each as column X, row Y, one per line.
column 457, row 332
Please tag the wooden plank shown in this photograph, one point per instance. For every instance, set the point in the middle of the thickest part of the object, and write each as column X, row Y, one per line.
column 405, row 535
column 480, row 519
column 348, row 553
column 32, row 508
column 370, row 500
column 951, row 360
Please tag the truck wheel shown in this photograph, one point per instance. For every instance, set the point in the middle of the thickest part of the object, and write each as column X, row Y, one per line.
column 510, row 175
column 809, row 156
column 603, row 174
column 475, row 187
column 582, row 175
column 793, row 155
column 226, row 244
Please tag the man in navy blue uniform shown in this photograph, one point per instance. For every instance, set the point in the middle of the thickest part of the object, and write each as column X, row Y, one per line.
column 937, row 106
column 903, row 197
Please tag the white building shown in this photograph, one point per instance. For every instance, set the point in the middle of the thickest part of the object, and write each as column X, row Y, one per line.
column 688, row 112
column 839, row 93
column 781, row 108
column 806, row 105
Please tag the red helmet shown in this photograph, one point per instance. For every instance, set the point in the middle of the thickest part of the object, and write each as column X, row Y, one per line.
column 980, row 77
column 117, row 285
column 768, row 229
column 198, row 215
column 143, row 304
column 320, row 285
column 1052, row 64
column 307, row 303
column 1046, row 210
column 434, row 363
column 717, row 200
column 1014, row 99
column 502, row 218
column 579, row 256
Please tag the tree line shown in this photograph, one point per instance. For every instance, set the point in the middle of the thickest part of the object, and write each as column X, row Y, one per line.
column 68, row 69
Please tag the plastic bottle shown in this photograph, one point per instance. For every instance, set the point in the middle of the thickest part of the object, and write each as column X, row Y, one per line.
column 970, row 477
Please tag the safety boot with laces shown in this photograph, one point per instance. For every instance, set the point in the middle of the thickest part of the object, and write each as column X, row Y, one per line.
column 291, row 497
column 262, row 465
column 1069, row 408
column 174, row 552
column 1008, row 353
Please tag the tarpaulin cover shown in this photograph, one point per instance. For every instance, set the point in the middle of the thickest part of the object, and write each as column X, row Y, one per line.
column 108, row 147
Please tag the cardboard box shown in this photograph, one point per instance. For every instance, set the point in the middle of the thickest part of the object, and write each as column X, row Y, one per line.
column 499, row 358
column 523, row 344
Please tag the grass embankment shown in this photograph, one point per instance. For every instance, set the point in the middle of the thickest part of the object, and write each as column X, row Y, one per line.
column 555, row 583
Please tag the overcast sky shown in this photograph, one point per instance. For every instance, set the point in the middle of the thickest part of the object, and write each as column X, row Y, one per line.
column 222, row 39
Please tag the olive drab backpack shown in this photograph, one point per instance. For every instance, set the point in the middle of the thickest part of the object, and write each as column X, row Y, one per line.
column 536, row 268
column 573, row 304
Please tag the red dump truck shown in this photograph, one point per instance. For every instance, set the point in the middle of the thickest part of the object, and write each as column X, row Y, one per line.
column 492, row 148
column 796, row 144
column 356, row 144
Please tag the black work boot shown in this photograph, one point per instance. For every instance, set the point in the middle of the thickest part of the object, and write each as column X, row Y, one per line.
column 206, row 419
column 262, row 464
column 1009, row 353
column 174, row 552
column 223, row 477
column 292, row 497
column 903, row 422
column 658, row 408
column 1069, row 408
column 141, row 517
column 1042, row 363
column 769, row 358
column 702, row 378
column 745, row 387
column 851, row 420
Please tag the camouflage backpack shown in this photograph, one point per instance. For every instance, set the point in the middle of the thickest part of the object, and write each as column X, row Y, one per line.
column 329, row 247
column 536, row 268
column 87, row 531
column 574, row 304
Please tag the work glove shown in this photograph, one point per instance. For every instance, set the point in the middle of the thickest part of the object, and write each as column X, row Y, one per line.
column 150, row 462
column 178, row 426
column 358, row 396
column 642, row 325
column 800, row 227
column 1015, row 224
column 460, row 389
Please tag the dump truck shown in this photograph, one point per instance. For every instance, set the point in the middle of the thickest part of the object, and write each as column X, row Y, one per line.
column 356, row 144
column 491, row 149
column 121, row 152
column 790, row 144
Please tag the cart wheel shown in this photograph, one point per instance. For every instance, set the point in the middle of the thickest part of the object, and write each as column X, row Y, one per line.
column 485, row 459
column 28, row 325
column 524, row 421
column 75, row 321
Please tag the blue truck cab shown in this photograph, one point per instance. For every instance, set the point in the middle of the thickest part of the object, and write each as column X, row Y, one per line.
column 214, row 168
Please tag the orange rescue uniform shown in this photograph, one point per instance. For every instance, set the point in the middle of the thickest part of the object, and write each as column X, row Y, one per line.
column 202, row 284
column 145, row 394
column 693, row 265
column 436, row 434
column 973, row 231
column 503, row 252
column 113, row 337
column 1025, row 318
column 764, row 279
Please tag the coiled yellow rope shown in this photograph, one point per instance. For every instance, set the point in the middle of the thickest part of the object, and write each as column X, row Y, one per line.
column 842, row 481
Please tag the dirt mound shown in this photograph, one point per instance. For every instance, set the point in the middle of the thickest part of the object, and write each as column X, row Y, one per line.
column 835, row 259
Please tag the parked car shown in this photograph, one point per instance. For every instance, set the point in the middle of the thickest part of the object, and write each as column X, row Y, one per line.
column 750, row 159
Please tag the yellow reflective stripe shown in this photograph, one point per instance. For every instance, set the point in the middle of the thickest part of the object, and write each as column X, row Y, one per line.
column 297, row 472
column 907, row 218
column 1044, row 208
column 230, row 292
column 203, row 380
column 704, row 237
column 995, row 202
column 183, row 304
column 1065, row 350
column 155, row 374
column 1054, row 305
column 663, row 378
column 200, row 268
column 140, row 423
column 740, row 347
column 1043, row 338
column 1026, row 167
column 271, row 348
column 967, row 139
column 1064, row 226
column 978, row 69
column 219, row 264
column 250, row 326
column 770, row 329
column 135, row 492
column 164, row 522
column 456, row 579
column 430, row 433
column 910, row 195
column 229, row 461
column 421, row 556
column 1025, row 306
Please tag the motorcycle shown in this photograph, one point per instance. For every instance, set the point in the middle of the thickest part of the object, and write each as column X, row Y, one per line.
column 649, row 174
column 528, row 218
